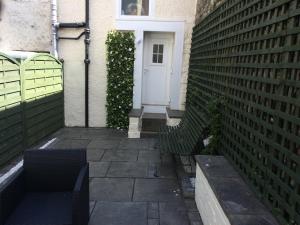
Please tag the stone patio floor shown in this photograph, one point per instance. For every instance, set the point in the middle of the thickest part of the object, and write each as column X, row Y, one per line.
column 131, row 182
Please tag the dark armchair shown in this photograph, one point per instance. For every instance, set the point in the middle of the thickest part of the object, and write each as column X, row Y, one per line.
column 52, row 188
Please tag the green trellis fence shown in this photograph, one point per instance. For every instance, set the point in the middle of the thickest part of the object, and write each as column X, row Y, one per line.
column 31, row 102
column 248, row 53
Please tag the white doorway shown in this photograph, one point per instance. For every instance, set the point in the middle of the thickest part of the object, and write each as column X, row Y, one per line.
column 157, row 69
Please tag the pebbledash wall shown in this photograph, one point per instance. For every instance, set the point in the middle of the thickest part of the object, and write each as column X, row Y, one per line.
column 26, row 25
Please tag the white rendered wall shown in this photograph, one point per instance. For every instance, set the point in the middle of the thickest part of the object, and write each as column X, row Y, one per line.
column 103, row 18
column 210, row 210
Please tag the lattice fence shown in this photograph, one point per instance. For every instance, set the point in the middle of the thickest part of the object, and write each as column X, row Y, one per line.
column 248, row 52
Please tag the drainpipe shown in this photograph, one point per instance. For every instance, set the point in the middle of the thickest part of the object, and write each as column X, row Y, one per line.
column 87, row 60
column 86, row 32
column 54, row 27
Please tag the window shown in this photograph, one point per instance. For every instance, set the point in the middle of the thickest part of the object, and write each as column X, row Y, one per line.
column 158, row 53
column 135, row 7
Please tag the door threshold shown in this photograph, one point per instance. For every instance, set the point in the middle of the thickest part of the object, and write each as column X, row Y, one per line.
column 159, row 116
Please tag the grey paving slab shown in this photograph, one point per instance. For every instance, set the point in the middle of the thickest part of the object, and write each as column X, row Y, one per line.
column 92, row 206
column 70, row 144
column 149, row 156
column 93, row 133
column 191, row 205
column 100, row 143
column 153, row 210
column 153, row 221
column 94, row 154
column 156, row 190
column 119, row 213
column 158, row 170
column 128, row 169
column 69, row 133
column 196, row 223
column 153, row 144
column 98, row 169
column 120, row 156
column 166, row 158
column 194, row 216
column 130, row 181
column 173, row 214
column 136, row 144
column 111, row 189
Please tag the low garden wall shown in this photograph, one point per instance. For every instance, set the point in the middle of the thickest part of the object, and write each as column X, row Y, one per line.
column 31, row 102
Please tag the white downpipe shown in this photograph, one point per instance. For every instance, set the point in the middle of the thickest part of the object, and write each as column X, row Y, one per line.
column 55, row 24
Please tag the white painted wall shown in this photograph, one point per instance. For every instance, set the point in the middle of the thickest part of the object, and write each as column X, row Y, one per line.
column 207, row 203
column 25, row 25
column 103, row 19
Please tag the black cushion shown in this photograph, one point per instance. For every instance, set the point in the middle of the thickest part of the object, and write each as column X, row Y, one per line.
column 51, row 208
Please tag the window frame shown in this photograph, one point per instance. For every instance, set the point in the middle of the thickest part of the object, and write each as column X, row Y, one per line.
column 158, row 54
column 129, row 17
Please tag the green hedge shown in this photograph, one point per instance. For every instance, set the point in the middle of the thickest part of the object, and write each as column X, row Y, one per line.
column 120, row 67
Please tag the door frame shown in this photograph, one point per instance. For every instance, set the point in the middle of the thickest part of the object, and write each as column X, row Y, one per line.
column 140, row 27
column 166, row 38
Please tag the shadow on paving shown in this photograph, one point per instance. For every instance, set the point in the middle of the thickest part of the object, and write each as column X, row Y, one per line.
column 131, row 182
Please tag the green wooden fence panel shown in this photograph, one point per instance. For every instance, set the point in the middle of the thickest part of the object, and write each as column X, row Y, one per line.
column 248, row 53
column 31, row 102
column 43, row 96
column 11, row 129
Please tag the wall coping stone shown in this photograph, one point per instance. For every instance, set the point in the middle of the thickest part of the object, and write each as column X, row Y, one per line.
column 136, row 113
column 174, row 113
column 237, row 200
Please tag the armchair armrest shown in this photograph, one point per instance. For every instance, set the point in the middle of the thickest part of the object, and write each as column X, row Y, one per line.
column 80, row 198
column 11, row 193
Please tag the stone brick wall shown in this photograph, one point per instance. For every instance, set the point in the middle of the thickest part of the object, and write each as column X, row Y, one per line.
column 204, row 7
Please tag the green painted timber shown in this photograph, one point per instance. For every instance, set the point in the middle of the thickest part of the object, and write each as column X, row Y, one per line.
column 31, row 102
column 248, row 53
column 11, row 128
column 43, row 96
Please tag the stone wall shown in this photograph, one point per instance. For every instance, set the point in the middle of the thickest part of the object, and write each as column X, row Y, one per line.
column 204, row 7
column 25, row 25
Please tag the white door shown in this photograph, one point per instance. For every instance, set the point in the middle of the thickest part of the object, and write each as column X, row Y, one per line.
column 156, row 72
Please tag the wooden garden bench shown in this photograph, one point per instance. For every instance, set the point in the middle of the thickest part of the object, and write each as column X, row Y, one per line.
column 186, row 137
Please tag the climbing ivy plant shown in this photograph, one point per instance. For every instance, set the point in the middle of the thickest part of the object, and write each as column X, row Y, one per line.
column 215, row 126
column 120, row 48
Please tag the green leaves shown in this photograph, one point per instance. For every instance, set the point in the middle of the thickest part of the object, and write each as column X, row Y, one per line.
column 215, row 126
column 120, row 68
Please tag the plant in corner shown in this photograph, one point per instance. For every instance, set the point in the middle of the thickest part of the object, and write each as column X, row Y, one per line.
column 120, row 48
column 215, row 126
